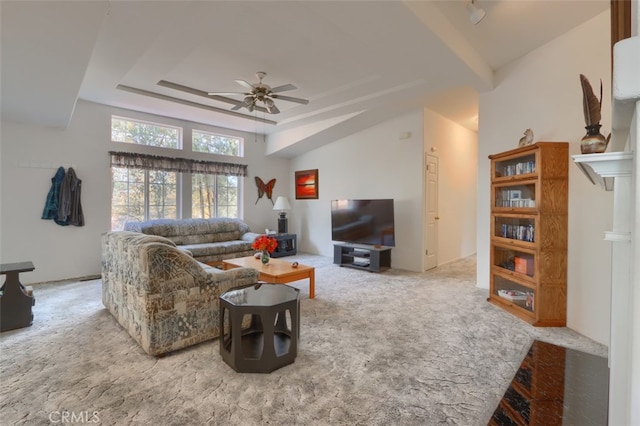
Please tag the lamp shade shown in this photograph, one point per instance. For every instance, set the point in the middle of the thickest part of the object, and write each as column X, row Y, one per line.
column 282, row 204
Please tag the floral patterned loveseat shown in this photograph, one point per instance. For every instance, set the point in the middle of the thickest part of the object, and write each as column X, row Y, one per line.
column 209, row 240
column 161, row 295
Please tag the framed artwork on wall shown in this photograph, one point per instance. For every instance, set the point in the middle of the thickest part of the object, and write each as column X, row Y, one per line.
column 306, row 184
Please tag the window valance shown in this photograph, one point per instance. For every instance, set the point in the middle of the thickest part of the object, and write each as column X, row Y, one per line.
column 134, row 160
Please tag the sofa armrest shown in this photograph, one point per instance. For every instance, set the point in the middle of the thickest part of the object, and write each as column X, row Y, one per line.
column 184, row 250
column 169, row 269
column 236, row 277
column 250, row 236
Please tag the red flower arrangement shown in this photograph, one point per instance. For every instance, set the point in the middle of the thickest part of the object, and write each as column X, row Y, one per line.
column 265, row 243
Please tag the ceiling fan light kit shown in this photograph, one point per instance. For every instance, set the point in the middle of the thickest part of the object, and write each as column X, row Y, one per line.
column 476, row 14
column 260, row 92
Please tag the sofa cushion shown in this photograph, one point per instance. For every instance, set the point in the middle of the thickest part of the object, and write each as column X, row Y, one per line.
column 192, row 231
column 224, row 247
column 200, row 250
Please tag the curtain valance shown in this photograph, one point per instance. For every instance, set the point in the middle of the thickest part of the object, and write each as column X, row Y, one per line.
column 134, row 160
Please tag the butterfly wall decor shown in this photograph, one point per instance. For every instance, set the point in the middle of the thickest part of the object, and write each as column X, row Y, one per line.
column 265, row 188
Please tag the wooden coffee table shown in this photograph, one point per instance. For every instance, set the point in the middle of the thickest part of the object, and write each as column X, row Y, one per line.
column 276, row 271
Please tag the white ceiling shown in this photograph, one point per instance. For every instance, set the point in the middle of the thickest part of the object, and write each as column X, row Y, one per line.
column 358, row 62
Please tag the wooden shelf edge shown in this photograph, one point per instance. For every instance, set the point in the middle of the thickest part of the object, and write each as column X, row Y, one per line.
column 515, row 310
column 512, row 243
column 520, row 279
column 516, row 152
column 550, row 323
column 512, row 178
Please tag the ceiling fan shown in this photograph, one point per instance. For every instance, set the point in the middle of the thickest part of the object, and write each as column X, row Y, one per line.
column 260, row 92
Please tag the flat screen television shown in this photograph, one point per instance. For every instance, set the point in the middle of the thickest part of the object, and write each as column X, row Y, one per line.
column 363, row 222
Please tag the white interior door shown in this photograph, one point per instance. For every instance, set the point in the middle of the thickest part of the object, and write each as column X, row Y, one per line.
column 431, row 253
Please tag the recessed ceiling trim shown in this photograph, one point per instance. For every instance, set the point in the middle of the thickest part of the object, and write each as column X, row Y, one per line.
column 355, row 101
column 191, row 103
column 191, row 90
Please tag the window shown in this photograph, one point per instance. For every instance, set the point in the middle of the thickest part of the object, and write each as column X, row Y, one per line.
column 142, row 195
column 214, row 196
column 143, row 133
column 147, row 185
column 216, row 144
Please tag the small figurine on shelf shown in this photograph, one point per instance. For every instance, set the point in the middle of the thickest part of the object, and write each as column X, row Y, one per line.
column 527, row 139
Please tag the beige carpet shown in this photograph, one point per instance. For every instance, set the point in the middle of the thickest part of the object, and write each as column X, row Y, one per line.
column 395, row 348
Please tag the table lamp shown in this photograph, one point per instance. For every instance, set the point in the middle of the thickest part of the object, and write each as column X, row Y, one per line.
column 282, row 204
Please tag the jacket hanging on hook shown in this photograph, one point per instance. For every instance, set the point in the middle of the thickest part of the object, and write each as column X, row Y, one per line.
column 70, row 208
column 53, row 197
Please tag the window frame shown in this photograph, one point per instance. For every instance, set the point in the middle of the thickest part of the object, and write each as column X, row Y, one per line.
column 180, row 130
column 184, row 179
column 207, row 132
column 146, row 205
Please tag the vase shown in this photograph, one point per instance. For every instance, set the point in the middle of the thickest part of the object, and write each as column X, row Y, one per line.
column 593, row 141
column 265, row 257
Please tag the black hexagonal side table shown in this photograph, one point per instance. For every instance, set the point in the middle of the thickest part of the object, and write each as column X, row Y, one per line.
column 260, row 327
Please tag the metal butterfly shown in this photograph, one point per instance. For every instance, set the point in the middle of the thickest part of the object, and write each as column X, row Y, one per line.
column 265, row 188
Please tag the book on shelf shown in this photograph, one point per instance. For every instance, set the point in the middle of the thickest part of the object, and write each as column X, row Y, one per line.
column 521, row 203
column 521, row 168
column 513, row 198
column 524, row 265
column 513, row 295
column 518, row 232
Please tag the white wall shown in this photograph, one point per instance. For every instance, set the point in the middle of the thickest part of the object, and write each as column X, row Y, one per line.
column 69, row 252
column 373, row 163
column 542, row 91
column 457, row 150
column 376, row 163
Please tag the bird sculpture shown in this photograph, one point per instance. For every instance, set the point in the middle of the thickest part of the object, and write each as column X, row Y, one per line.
column 527, row 139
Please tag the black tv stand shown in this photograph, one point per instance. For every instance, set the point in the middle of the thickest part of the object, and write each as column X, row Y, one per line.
column 366, row 258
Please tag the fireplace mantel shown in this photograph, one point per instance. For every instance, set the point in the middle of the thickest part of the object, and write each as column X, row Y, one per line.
column 602, row 169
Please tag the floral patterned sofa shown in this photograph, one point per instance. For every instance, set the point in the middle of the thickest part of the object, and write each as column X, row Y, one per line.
column 161, row 295
column 209, row 240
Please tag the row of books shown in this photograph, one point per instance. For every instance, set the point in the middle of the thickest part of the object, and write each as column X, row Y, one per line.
column 512, row 198
column 518, row 232
column 519, row 168
column 518, row 203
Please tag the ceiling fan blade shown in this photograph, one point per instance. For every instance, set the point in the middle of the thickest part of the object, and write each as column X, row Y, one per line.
column 272, row 109
column 237, row 107
column 290, row 99
column 227, row 93
column 245, row 84
column 283, row 88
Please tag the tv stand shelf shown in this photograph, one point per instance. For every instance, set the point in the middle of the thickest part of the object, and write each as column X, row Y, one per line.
column 366, row 258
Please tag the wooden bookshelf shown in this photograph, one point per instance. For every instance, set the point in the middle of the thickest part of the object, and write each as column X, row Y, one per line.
column 528, row 253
